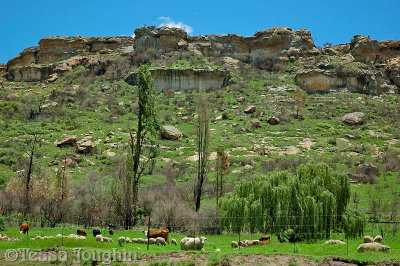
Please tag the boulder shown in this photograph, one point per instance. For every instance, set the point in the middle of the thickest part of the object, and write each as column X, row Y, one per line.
column 256, row 123
column 273, row 120
column 68, row 141
column 355, row 118
column 171, row 133
column 85, row 145
column 250, row 109
column 364, row 49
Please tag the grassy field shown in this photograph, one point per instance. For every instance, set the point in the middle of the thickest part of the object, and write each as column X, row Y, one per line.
column 315, row 250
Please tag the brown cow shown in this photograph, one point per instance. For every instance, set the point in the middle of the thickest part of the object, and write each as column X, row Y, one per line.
column 265, row 238
column 267, row 242
column 158, row 233
column 81, row 232
column 24, row 228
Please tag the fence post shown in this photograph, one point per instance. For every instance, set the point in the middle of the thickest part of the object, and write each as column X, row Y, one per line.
column 347, row 246
column 62, row 236
column 148, row 234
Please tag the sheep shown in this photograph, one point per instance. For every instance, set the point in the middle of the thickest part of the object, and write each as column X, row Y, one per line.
column 234, row 244
column 373, row 247
column 242, row 244
column 173, row 241
column 378, row 239
column 82, row 238
column 218, row 250
column 107, row 239
column 368, row 239
column 99, row 238
column 134, row 240
column 334, row 242
column 152, row 241
column 251, row 242
column 39, row 237
column 121, row 241
column 189, row 243
column 146, row 241
column 128, row 240
column 59, row 235
column 160, row 241
column 140, row 241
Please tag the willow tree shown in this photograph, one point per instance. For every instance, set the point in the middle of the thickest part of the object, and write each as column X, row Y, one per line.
column 311, row 203
column 143, row 149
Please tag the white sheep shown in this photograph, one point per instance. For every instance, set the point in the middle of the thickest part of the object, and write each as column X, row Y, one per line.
column 160, row 241
column 128, row 240
column 141, row 241
column 173, row 241
column 334, row 242
column 218, row 250
column 190, row 243
column 152, row 241
column 378, row 239
column 82, row 238
column 59, row 235
column 134, row 240
column 107, row 239
column 99, row 238
column 368, row 239
column 121, row 241
column 373, row 247
column 234, row 244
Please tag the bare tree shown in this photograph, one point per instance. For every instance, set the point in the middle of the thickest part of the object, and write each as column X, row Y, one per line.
column 203, row 135
column 31, row 147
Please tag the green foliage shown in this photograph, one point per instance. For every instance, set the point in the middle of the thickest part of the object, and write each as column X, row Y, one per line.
column 5, row 175
column 311, row 203
column 2, row 223
column 354, row 223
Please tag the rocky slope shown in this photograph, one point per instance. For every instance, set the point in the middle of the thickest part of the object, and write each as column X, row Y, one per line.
column 364, row 65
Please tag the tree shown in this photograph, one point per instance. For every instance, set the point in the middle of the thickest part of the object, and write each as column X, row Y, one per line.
column 300, row 97
column 222, row 165
column 310, row 203
column 31, row 147
column 143, row 148
column 203, row 134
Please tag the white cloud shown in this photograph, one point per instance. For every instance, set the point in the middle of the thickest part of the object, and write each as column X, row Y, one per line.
column 167, row 21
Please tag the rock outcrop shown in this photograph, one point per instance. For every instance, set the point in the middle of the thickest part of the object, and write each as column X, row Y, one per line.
column 171, row 133
column 36, row 63
column 185, row 79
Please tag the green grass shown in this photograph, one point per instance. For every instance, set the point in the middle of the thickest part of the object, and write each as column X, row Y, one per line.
column 315, row 250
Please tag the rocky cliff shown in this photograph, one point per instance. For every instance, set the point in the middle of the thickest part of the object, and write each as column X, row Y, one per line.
column 363, row 65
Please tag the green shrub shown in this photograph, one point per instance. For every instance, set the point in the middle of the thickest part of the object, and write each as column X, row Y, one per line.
column 2, row 223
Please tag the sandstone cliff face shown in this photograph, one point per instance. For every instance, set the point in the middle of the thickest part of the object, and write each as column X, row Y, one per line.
column 186, row 79
column 32, row 64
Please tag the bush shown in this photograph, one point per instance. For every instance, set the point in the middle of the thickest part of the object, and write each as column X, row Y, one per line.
column 2, row 223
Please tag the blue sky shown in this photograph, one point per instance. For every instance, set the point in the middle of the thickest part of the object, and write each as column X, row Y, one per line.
column 23, row 23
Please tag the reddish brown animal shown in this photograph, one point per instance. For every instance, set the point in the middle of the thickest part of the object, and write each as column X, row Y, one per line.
column 111, row 232
column 265, row 238
column 267, row 242
column 159, row 233
column 81, row 232
column 24, row 228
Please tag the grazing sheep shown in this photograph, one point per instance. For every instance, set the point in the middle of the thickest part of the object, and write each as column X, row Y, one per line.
column 373, row 247
column 152, row 241
column 368, row 239
column 121, row 241
column 39, row 237
column 378, row 239
column 334, row 242
column 234, row 244
column 140, row 241
column 128, row 240
column 82, row 238
column 99, row 238
column 146, row 241
column 107, row 239
column 59, row 235
column 251, row 242
column 134, row 240
column 242, row 244
column 218, row 250
column 160, row 241
column 189, row 243
column 173, row 241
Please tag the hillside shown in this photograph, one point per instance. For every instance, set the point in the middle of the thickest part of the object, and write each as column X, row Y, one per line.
column 81, row 90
